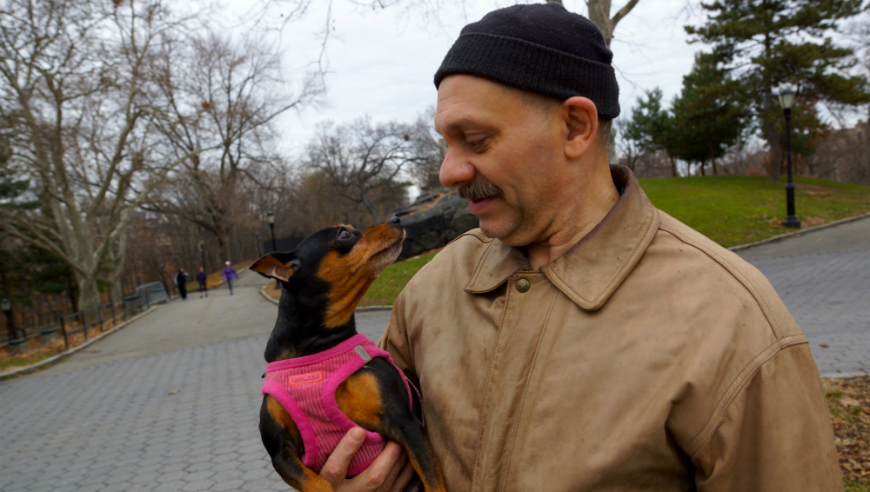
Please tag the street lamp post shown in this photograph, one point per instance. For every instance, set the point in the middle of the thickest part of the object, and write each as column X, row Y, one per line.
column 271, row 218
column 786, row 100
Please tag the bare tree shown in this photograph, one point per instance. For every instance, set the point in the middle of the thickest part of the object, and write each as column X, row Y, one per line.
column 630, row 148
column 74, row 83
column 362, row 158
column 239, row 86
column 429, row 148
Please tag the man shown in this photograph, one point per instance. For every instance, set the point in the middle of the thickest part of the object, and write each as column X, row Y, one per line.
column 582, row 339
column 181, row 282
column 228, row 275
column 202, row 280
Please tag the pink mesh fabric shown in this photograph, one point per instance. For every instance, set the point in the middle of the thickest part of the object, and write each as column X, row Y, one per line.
column 306, row 386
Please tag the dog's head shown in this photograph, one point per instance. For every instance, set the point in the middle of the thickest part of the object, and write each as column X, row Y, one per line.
column 334, row 267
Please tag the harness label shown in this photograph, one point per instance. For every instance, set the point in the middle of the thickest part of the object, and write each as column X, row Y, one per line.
column 307, row 378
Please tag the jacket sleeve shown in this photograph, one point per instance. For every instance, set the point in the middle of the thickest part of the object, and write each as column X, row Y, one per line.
column 775, row 435
column 395, row 341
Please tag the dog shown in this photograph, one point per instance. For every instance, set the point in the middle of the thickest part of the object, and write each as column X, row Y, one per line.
column 324, row 378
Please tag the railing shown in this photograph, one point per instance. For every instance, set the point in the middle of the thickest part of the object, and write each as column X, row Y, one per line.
column 153, row 293
column 89, row 320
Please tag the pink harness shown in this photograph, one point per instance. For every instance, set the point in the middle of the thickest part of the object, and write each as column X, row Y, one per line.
column 306, row 386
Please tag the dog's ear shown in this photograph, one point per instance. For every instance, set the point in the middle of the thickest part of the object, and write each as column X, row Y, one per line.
column 280, row 266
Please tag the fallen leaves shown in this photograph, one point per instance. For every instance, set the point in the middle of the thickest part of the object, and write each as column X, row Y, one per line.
column 849, row 405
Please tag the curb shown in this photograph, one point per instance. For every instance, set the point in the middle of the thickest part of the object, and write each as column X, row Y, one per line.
column 845, row 375
column 57, row 358
column 262, row 292
column 363, row 309
column 374, row 308
column 787, row 235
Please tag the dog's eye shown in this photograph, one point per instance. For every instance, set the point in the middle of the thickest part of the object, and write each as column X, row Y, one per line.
column 344, row 235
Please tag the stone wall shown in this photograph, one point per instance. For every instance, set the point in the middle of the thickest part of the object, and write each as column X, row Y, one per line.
column 433, row 220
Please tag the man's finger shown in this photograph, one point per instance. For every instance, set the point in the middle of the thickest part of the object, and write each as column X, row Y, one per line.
column 404, row 477
column 394, row 471
column 335, row 468
column 376, row 474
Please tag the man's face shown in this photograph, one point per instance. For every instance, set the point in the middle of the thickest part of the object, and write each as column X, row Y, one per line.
column 497, row 137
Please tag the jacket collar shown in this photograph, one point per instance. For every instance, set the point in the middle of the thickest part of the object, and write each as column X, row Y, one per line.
column 591, row 271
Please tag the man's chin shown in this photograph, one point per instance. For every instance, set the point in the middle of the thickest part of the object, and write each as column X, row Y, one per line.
column 501, row 231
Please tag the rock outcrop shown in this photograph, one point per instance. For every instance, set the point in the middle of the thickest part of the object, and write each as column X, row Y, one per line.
column 434, row 219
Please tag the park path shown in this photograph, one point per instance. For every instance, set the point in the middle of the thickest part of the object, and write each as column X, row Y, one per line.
column 824, row 278
column 170, row 403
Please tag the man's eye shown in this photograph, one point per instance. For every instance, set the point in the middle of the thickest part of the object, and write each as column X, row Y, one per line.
column 344, row 235
column 475, row 144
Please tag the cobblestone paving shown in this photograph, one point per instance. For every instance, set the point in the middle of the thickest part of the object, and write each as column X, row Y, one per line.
column 829, row 296
column 115, row 427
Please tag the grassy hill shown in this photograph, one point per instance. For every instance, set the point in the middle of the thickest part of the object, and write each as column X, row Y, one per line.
column 731, row 210
column 734, row 210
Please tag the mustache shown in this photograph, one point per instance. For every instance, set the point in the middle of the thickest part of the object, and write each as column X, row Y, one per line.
column 479, row 189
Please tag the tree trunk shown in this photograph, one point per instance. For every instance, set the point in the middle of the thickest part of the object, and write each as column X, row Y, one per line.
column 371, row 208
column 715, row 171
column 775, row 153
column 768, row 130
column 71, row 293
column 223, row 237
column 673, row 166
column 11, row 332
column 599, row 14
column 703, row 165
column 117, row 292
column 89, row 296
column 611, row 147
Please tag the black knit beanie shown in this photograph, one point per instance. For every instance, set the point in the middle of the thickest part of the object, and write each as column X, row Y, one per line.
column 539, row 48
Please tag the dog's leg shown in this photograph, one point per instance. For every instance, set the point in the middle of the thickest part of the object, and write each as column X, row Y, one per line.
column 375, row 397
column 284, row 443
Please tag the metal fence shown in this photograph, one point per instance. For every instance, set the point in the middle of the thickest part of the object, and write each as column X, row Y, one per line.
column 93, row 320
column 153, row 293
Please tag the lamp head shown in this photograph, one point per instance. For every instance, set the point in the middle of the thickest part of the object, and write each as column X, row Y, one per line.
column 5, row 305
column 787, row 98
column 270, row 217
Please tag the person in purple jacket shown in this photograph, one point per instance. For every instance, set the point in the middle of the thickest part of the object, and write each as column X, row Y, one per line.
column 228, row 275
column 202, row 280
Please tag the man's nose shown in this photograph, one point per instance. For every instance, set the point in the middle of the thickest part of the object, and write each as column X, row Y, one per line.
column 455, row 171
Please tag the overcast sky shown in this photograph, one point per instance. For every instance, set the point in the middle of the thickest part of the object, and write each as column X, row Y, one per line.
column 381, row 63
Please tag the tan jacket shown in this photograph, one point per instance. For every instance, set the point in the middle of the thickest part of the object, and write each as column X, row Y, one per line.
column 647, row 358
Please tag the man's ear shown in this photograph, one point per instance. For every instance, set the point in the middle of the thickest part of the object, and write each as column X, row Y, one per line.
column 581, row 119
column 280, row 266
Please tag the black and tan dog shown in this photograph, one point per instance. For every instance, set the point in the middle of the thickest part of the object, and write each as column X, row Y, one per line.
column 323, row 280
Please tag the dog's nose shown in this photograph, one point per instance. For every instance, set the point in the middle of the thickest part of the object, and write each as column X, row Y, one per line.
column 395, row 220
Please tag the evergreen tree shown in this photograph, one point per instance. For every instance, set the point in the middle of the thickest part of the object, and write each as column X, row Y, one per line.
column 709, row 115
column 651, row 127
column 768, row 43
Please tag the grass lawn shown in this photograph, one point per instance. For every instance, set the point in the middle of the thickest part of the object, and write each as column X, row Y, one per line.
column 393, row 280
column 734, row 210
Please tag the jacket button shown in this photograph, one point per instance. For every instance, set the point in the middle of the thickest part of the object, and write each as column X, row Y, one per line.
column 523, row 285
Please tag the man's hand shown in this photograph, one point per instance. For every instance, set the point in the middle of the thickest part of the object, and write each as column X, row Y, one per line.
column 389, row 472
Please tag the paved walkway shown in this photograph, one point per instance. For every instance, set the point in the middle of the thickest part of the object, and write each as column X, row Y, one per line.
column 170, row 403
column 824, row 279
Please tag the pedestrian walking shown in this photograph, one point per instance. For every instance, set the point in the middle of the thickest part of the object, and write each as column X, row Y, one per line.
column 181, row 282
column 202, row 280
column 229, row 274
